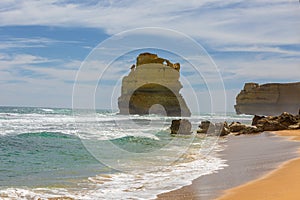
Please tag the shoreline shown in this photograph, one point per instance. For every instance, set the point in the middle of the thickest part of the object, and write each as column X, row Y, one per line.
column 281, row 183
column 250, row 157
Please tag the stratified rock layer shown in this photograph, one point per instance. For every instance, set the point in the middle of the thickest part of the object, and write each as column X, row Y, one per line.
column 152, row 87
column 268, row 99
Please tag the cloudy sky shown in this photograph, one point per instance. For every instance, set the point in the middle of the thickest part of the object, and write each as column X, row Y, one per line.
column 44, row 43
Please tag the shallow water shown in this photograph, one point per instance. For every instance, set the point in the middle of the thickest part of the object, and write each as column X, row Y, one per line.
column 49, row 152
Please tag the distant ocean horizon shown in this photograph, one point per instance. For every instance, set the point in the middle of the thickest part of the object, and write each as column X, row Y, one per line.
column 54, row 152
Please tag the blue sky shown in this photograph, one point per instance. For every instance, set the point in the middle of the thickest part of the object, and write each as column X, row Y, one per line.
column 43, row 44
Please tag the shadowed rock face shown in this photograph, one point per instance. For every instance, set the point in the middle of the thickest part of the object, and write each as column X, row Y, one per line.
column 146, row 97
column 153, row 87
column 181, row 126
column 268, row 99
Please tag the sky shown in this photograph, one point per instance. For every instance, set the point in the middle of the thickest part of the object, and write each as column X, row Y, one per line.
column 46, row 45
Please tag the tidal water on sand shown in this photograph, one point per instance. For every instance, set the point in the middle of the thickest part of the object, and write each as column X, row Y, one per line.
column 55, row 152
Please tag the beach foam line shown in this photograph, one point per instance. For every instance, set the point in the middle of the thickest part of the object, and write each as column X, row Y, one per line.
column 248, row 156
column 139, row 185
column 24, row 194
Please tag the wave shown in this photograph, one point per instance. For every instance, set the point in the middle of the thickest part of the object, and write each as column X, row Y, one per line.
column 39, row 139
column 46, row 135
column 47, row 109
column 135, row 185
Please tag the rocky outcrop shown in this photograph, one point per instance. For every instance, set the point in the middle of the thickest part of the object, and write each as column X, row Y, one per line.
column 152, row 86
column 217, row 129
column 235, row 127
column 249, row 130
column 206, row 127
column 223, row 129
column 181, row 126
column 268, row 99
column 285, row 121
column 238, row 128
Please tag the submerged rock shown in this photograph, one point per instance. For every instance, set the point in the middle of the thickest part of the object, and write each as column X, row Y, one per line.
column 181, row 126
column 152, row 87
column 268, row 99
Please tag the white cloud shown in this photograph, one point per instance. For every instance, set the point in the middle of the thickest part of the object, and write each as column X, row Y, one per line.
column 223, row 22
column 273, row 69
column 36, row 42
column 20, row 85
column 20, row 59
column 227, row 26
column 262, row 49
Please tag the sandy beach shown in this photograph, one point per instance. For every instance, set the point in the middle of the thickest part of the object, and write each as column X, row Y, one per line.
column 291, row 134
column 282, row 183
column 262, row 166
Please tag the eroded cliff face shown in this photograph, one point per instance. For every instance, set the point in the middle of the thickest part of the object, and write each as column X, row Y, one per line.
column 268, row 99
column 153, row 87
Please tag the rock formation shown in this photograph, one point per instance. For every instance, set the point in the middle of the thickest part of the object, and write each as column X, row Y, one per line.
column 152, row 87
column 217, row 129
column 268, row 99
column 285, row 121
column 181, row 126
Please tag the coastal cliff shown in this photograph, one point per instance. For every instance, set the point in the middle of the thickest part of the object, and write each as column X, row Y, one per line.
column 152, row 86
column 268, row 99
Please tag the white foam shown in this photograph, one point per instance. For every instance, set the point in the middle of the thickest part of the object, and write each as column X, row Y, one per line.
column 143, row 183
column 138, row 184
column 34, row 194
column 101, row 125
column 147, row 185
column 135, row 185
column 47, row 110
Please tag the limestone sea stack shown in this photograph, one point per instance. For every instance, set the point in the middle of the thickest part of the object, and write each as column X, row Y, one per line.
column 152, row 87
column 268, row 99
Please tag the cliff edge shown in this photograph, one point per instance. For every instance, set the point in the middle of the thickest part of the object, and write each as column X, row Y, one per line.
column 152, row 86
column 268, row 99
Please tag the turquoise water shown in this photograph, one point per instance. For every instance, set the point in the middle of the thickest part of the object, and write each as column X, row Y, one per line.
column 44, row 158
column 52, row 152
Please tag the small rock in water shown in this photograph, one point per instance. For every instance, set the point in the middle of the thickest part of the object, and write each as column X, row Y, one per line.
column 217, row 129
column 206, row 127
column 181, row 126
column 221, row 129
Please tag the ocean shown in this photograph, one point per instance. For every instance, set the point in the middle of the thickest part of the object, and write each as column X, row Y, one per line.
column 59, row 152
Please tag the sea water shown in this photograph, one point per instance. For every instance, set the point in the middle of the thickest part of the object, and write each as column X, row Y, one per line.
column 59, row 152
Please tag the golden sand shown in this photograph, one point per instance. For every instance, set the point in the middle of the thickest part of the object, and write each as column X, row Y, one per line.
column 282, row 183
column 293, row 134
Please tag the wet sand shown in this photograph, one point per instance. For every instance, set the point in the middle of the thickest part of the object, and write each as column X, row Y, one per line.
column 292, row 134
column 249, row 157
column 282, row 183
